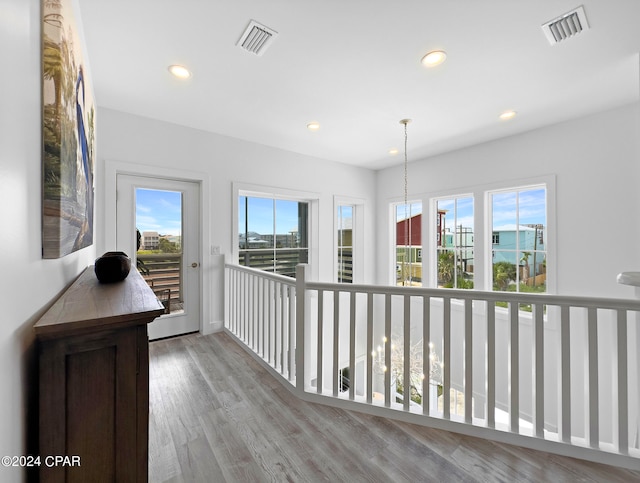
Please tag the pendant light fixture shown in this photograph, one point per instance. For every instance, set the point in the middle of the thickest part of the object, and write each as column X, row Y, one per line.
column 407, row 269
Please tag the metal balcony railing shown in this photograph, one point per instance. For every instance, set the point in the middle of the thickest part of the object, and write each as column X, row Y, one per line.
column 282, row 261
column 162, row 271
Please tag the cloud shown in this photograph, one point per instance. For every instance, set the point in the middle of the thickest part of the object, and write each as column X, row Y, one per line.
column 147, row 223
column 170, row 205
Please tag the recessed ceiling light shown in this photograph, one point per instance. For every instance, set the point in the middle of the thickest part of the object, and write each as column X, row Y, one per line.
column 433, row 58
column 180, row 71
column 313, row 126
column 506, row 115
column 393, row 151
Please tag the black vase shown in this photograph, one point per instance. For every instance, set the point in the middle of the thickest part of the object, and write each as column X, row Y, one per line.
column 112, row 267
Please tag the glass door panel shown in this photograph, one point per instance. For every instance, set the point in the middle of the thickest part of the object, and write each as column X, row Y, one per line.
column 157, row 221
column 159, row 247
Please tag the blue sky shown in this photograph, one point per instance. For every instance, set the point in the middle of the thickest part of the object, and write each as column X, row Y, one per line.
column 530, row 209
column 531, row 204
column 526, row 206
column 261, row 212
column 160, row 211
column 459, row 212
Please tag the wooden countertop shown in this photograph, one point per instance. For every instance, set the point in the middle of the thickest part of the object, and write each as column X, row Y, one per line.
column 88, row 305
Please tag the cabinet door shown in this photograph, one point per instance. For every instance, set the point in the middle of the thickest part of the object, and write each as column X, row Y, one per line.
column 89, row 405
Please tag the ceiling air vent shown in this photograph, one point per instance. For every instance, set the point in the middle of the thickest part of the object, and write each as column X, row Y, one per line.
column 566, row 26
column 256, row 38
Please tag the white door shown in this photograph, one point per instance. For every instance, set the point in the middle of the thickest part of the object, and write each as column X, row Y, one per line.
column 165, row 213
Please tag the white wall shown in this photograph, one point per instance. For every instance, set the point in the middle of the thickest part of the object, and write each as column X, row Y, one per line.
column 28, row 283
column 595, row 161
column 126, row 139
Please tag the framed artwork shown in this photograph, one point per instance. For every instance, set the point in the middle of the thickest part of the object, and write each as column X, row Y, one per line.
column 68, row 132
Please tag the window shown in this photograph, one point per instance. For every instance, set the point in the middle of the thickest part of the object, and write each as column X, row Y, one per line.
column 454, row 242
column 408, row 246
column 493, row 237
column 273, row 234
column 519, row 255
column 345, row 243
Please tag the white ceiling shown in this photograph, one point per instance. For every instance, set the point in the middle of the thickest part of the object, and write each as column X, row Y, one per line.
column 354, row 66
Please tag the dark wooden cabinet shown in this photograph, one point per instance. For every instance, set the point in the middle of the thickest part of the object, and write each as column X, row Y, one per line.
column 94, row 381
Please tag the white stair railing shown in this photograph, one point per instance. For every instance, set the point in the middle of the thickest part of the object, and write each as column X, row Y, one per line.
column 261, row 314
column 545, row 371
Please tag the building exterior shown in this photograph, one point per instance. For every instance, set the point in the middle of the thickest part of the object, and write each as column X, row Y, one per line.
column 410, row 230
column 521, row 245
column 174, row 239
column 150, row 240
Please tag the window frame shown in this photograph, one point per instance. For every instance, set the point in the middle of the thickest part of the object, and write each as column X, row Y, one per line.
column 357, row 234
column 393, row 210
column 339, row 228
column 260, row 191
column 517, row 190
column 483, row 229
column 433, row 204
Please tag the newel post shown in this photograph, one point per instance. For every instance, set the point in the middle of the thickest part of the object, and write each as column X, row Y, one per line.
column 301, row 275
column 225, row 294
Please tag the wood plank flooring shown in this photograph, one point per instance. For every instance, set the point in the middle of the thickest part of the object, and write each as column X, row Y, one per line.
column 217, row 416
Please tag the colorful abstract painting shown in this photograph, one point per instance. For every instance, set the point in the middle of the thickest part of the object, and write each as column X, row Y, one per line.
column 68, row 134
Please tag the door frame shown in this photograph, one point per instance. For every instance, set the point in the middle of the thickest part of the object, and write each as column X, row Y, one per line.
column 181, row 321
column 108, row 241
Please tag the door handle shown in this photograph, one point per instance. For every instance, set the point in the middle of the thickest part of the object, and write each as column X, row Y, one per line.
column 194, row 265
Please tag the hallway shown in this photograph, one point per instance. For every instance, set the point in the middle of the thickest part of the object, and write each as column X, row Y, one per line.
column 217, row 416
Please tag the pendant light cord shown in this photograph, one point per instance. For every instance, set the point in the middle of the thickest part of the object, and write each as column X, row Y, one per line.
column 407, row 222
column 406, row 162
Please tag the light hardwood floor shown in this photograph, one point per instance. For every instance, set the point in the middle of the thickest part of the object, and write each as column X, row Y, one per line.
column 217, row 416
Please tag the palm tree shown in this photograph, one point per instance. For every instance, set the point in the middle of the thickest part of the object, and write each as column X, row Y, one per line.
column 52, row 69
column 503, row 273
column 446, row 267
column 52, row 64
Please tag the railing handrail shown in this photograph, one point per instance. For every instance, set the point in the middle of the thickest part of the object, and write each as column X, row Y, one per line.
column 267, row 250
column 473, row 294
column 451, row 293
column 263, row 273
